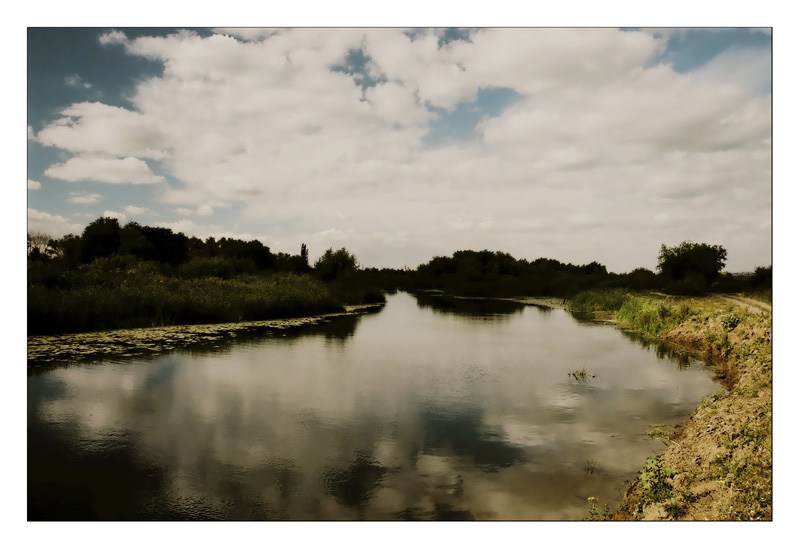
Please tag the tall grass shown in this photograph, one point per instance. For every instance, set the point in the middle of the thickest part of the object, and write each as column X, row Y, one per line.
column 151, row 299
column 652, row 315
column 649, row 314
column 599, row 300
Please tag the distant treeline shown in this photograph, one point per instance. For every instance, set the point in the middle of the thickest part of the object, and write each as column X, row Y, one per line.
column 114, row 276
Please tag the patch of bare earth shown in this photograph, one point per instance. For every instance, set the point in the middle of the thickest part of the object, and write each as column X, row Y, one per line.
column 718, row 464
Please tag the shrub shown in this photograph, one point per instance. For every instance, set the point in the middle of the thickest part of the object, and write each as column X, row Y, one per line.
column 730, row 321
column 653, row 477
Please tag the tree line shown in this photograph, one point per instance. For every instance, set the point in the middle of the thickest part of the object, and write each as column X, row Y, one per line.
column 687, row 268
column 187, row 256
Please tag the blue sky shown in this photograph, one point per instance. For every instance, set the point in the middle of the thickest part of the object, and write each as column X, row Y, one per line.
column 577, row 144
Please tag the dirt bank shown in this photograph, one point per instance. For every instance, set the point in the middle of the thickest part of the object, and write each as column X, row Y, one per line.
column 718, row 463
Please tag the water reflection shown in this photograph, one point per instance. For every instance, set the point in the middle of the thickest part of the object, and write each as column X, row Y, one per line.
column 465, row 433
column 493, row 309
column 411, row 413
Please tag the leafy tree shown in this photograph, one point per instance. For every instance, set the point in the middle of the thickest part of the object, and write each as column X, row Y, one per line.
column 334, row 264
column 100, row 239
column 762, row 276
column 690, row 260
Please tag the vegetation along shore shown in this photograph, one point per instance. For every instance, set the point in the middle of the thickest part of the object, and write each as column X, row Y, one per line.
column 717, row 465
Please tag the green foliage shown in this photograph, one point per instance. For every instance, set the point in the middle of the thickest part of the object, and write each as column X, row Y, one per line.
column 595, row 514
column 115, row 293
column 653, row 477
column 675, row 509
column 650, row 315
column 660, row 431
column 686, row 259
column 100, row 238
column 730, row 321
column 603, row 300
column 762, row 277
column 497, row 274
column 335, row 264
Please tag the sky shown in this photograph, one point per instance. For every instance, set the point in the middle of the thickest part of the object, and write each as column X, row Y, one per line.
column 577, row 144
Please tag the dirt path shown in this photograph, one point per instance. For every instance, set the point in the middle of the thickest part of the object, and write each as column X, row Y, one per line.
column 752, row 305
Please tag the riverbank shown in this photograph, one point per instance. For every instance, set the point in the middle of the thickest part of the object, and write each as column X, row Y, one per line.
column 49, row 350
column 717, row 464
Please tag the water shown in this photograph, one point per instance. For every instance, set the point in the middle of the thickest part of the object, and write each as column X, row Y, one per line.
column 429, row 409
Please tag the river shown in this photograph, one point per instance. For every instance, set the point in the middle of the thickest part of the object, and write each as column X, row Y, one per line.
column 430, row 408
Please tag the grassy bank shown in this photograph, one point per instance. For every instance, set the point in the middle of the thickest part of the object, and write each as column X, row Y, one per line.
column 717, row 464
column 142, row 297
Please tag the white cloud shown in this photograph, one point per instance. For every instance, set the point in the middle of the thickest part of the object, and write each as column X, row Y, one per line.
column 53, row 225
column 596, row 148
column 105, row 170
column 76, row 81
column 34, row 185
column 84, row 198
column 114, row 37
column 137, row 210
column 105, row 129
column 117, row 215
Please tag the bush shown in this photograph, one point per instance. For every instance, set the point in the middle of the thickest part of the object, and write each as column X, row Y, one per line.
column 730, row 321
column 653, row 477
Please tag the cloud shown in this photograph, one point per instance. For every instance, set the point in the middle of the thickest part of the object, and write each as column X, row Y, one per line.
column 96, row 128
column 117, row 215
column 53, row 225
column 137, row 210
column 114, row 37
column 105, row 170
column 749, row 67
column 75, row 81
column 596, row 145
column 84, row 198
column 34, row 185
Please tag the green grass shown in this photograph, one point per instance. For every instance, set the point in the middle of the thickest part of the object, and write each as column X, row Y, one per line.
column 598, row 300
column 650, row 314
column 141, row 299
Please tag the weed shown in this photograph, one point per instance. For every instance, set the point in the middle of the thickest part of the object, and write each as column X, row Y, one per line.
column 675, row 510
column 595, row 514
column 661, row 432
column 653, row 477
column 581, row 375
column 730, row 321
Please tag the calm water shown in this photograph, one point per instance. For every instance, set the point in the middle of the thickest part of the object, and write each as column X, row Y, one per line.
column 428, row 409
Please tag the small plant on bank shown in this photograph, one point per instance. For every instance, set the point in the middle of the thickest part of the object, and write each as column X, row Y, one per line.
column 653, row 477
column 730, row 321
column 661, row 432
column 675, row 510
column 595, row 514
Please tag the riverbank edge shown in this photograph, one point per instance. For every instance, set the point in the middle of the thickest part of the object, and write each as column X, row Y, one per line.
column 46, row 350
column 718, row 462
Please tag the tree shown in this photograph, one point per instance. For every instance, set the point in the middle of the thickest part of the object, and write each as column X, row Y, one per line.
column 334, row 264
column 690, row 260
column 39, row 246
column 304, row 254
column 100, row 238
